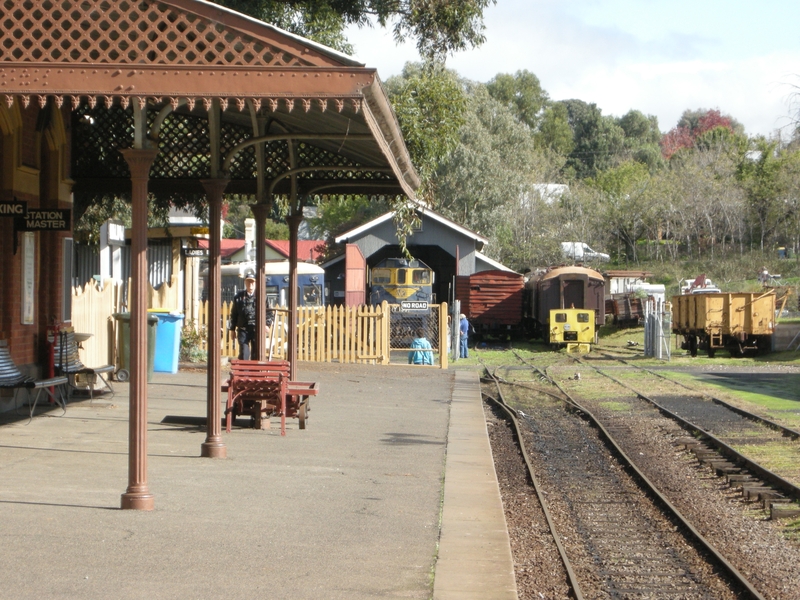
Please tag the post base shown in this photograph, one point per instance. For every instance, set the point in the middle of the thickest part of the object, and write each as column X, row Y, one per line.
column 213, row 450
column 137, row 501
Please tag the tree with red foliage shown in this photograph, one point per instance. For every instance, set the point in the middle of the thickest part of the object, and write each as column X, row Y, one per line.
column 676, row 139
column 692, row 125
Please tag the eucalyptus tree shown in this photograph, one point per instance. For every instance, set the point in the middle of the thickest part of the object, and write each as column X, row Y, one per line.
column 490, row 182
column 624, row 203
column 522, row 93
column 439, row 27
column 598, row 141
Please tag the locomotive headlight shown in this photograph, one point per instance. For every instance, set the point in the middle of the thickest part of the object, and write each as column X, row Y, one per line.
column 314, row 278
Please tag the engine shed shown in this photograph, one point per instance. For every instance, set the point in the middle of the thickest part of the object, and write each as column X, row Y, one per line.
column 445, row 246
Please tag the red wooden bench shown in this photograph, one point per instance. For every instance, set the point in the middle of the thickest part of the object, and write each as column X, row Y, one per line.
column 261, row 389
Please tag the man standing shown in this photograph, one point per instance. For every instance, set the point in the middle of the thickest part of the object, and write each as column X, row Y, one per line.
column 243, row 316
column 463, row 328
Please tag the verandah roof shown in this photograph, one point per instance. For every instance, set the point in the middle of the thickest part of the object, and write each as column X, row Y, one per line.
column 179, row 58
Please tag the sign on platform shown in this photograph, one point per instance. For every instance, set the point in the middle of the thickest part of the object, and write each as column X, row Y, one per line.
column 409, row 305
column 195, row 252
column 16, row 208
column 48, row 219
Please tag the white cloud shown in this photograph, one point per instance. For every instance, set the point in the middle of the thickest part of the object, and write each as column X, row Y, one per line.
column 620, row 64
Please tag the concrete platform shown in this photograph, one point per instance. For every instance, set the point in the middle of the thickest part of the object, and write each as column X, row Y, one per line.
column 348, row 508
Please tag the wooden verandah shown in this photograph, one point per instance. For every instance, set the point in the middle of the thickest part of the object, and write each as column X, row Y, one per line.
column 183, row 98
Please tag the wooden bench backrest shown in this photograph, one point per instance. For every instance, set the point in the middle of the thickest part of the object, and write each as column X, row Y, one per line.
column 9, row 373
column 259, row 369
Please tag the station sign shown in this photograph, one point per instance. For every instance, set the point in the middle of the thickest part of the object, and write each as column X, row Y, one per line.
column 17, row 208
column 195, row 252
column 411, row 306
column 198, row 231
column 46, row 219
column 114, row 232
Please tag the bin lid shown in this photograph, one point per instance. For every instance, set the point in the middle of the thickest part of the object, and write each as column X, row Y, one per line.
column 126, row 316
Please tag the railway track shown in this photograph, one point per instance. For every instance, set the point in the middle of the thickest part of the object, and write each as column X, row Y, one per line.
column 618, row 537
column 725, row 437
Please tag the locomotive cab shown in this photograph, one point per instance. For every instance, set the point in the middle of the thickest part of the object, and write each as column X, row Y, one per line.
column 397, row 280
column 573, row 328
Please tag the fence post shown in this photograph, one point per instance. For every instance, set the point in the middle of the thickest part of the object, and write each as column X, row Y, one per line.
column 444, row 339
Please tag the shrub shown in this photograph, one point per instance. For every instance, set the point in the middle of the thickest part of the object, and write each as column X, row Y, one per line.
column 192, row 342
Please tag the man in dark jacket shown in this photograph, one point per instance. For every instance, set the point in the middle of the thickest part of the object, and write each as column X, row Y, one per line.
column 243, row 316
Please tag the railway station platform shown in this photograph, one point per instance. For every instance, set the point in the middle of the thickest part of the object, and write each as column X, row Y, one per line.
column 390, row 492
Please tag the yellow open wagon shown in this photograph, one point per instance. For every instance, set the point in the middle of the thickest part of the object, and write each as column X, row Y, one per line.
column 739, row 321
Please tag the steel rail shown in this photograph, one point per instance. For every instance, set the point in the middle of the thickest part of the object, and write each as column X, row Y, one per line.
column 512, row 417
column 762, row 472
column 787, row 431
column 649, row 487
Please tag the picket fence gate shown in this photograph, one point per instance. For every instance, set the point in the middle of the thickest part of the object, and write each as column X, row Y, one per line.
column 348, row 334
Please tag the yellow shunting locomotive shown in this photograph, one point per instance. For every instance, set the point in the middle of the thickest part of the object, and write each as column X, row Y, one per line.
column 573, row 328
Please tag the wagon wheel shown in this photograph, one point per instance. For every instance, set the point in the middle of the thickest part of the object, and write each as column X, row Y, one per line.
column 302, row 415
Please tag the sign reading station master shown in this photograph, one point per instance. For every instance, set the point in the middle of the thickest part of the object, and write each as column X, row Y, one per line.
column 46, row 219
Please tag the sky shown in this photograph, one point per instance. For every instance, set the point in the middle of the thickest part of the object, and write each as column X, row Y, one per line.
column 660, row 57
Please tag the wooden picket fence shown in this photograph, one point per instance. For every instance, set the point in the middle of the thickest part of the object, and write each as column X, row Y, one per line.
column 93, row 308
column 358, row 334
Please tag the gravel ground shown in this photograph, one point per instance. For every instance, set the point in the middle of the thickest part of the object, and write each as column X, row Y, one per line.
column 740, row 530
column 756, row 546
column 537, row 564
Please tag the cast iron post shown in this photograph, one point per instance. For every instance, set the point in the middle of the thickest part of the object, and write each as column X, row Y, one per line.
column 213, row 447
column 138, row 496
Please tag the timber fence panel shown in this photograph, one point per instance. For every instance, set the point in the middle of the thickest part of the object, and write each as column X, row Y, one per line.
column 354, row 334
column 93, row 306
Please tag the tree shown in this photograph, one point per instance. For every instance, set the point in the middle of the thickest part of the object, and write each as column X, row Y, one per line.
column 642, row 136
column 489, row 182
column 440, row 27
column 598, row 140
column 430, row 106
column 522, row 93
column 555, row 132
column 692, row 125
column 624, row 202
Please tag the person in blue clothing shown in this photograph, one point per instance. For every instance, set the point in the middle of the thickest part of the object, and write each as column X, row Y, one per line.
column 463, row 328
column 422, row 352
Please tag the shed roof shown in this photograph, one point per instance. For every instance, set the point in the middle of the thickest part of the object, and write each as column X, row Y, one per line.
column 422, row 211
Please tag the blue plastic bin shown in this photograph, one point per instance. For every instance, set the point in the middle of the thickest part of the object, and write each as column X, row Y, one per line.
column 168, row 341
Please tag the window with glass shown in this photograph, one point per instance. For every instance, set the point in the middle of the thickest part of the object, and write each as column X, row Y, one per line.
column 583, row 317
column 272, row 296
column 561, row 317
column 401, row 276
column 311, row 295
column 381, row 276
column 421, row 276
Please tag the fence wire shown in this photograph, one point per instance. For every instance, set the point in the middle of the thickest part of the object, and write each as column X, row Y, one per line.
column 404, row 326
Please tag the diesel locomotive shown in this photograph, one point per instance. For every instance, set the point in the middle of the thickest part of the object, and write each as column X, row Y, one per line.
column 403, row 282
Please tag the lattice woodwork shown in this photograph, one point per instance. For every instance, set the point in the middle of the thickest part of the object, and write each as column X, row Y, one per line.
column 100, row 31
column 185, row 148
column 98, row 134
column 244, row 163
column 312, row 156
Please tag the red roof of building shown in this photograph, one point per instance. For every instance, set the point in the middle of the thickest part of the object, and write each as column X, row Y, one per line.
column 306, row 249
column 227, row 246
